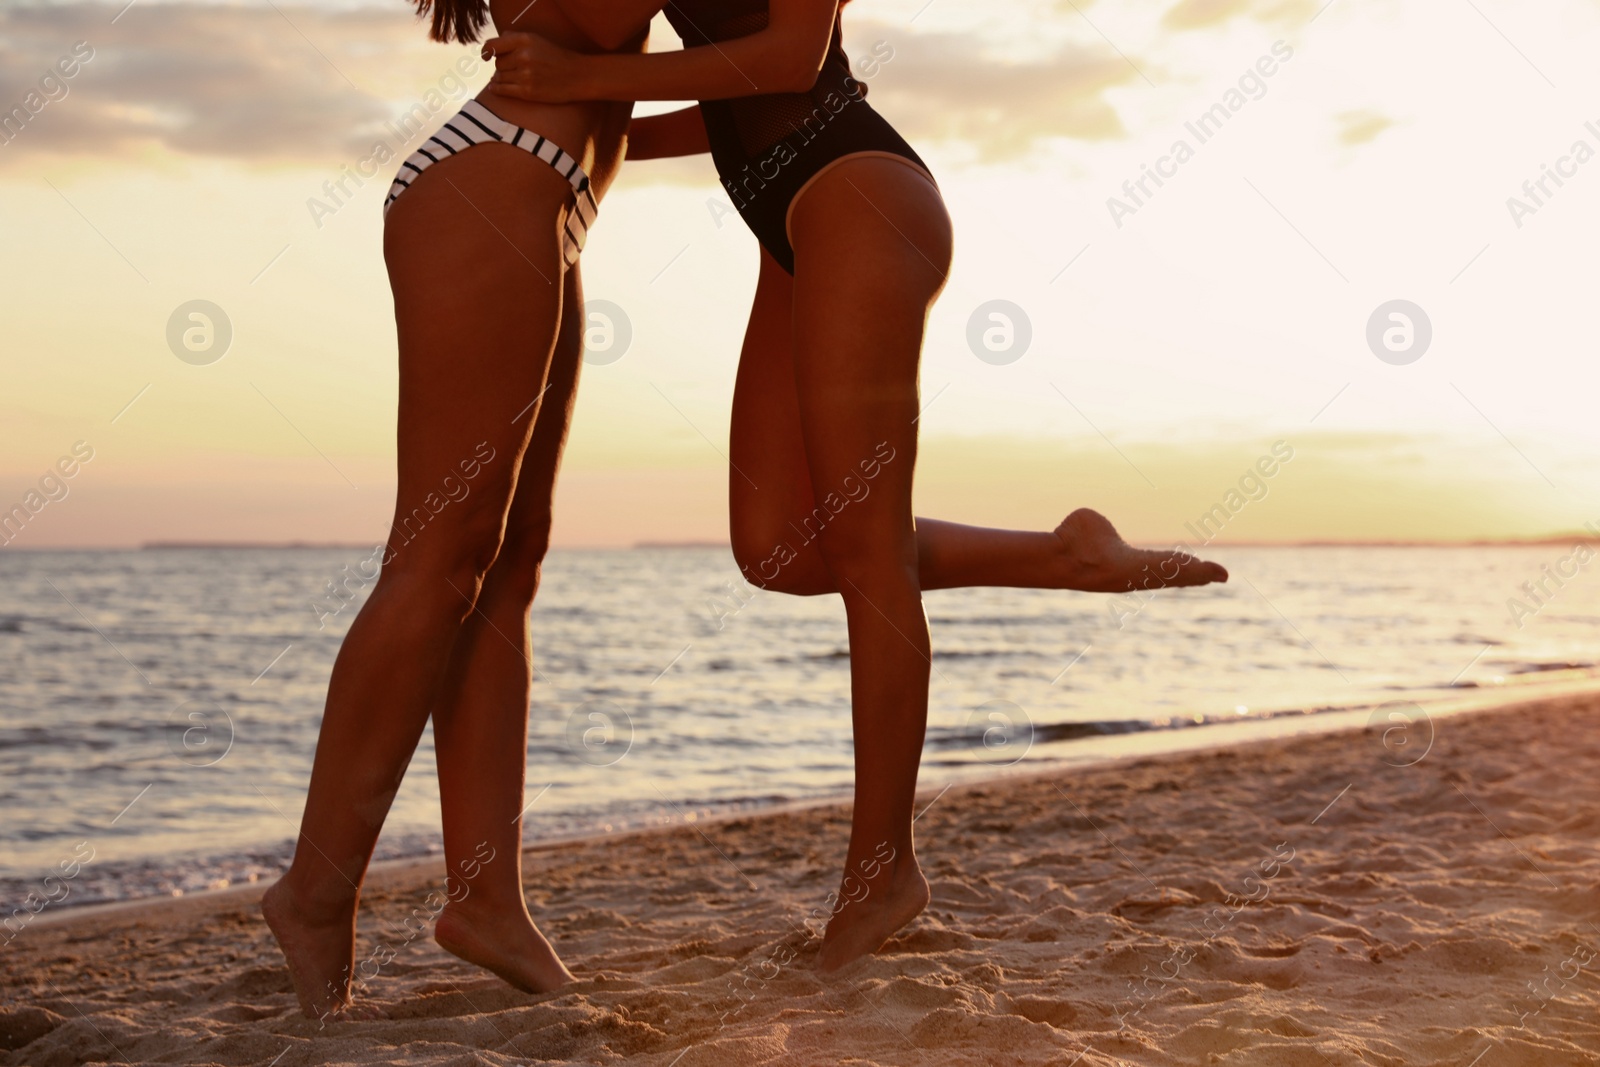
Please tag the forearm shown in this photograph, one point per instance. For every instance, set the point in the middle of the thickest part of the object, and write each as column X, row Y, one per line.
column 678, row 133
column 704, row 73
column 782, row 58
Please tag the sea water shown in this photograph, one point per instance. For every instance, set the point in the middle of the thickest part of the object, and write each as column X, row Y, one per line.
column 159, row 708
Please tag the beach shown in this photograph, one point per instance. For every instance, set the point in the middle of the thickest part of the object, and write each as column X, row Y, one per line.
column 1418, row 892
column 318, row 566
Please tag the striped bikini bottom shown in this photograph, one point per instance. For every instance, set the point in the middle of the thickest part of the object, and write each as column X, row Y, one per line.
column 475, row 124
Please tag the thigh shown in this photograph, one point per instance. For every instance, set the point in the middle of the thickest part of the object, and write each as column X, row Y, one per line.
column 872, row 247
column 768, row 483
column 527, row 536
column 474, row 256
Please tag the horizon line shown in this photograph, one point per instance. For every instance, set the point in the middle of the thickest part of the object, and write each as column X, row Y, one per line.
column 1574, row 538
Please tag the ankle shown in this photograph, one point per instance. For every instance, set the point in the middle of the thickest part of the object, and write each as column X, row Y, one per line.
column 885, row 866
column 312, row 904
column 492, row 904
column 907, row 872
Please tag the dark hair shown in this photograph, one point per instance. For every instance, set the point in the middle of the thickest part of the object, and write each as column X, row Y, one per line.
column 455, row 20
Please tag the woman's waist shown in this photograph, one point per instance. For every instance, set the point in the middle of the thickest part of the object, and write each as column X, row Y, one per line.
column 820, row 132
column 591, row 132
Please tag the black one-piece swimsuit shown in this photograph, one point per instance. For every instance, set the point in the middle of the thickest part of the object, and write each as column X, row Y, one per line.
column 768, row 147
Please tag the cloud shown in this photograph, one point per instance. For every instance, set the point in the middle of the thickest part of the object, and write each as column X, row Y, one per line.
column 295, row 84
column 249, row 83
column 302, row 85
column 941, row 87
column 1201, row 14
column 1360, row 127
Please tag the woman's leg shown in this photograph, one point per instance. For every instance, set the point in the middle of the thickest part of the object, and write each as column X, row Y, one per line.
column 480, row 723
column 1083, row 552
column 872, row 244
column 476, row 307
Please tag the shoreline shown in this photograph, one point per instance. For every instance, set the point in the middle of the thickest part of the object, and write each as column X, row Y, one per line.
column 1326, row 899
column 1173, row 743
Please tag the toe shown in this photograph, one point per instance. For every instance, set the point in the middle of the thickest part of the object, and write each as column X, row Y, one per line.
column 1194, row 571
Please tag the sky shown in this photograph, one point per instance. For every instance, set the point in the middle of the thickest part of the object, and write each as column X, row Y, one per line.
column 1355, row 156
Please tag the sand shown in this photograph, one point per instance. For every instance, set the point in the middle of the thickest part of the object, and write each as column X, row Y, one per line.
column 1301, row 902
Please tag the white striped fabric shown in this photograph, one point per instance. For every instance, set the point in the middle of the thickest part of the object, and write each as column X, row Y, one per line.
column 475, row 124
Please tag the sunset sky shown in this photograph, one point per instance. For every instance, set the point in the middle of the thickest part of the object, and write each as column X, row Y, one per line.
column 1175, row 337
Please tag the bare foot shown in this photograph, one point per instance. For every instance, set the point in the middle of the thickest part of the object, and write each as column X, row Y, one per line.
column 504, row 941
column 320, row 951
column 860, row 928
column 1096, row 559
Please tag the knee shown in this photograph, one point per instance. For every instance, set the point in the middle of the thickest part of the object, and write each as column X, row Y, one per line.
column 769, row 562
column 520, row 563
column 444, row 566
column 754, row 549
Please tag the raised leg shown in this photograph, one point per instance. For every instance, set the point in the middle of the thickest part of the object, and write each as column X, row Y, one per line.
column 480, row 723
column 476, row 306
column 773, row 506
column 872, row 244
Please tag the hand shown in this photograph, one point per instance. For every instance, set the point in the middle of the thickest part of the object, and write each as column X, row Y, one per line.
column 528, row 67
